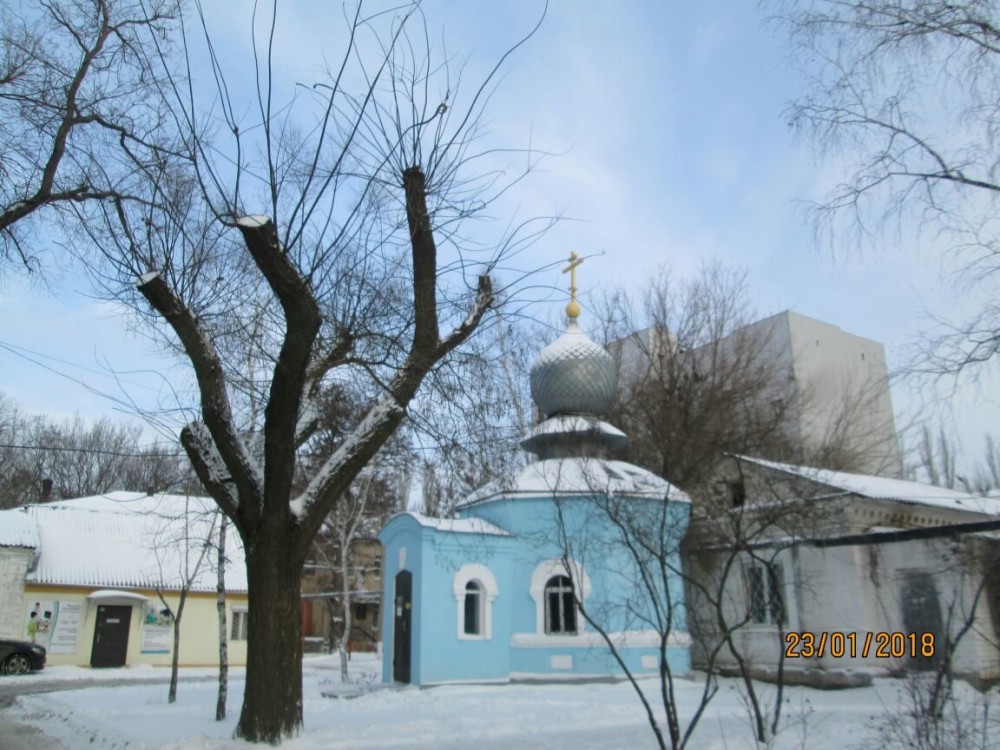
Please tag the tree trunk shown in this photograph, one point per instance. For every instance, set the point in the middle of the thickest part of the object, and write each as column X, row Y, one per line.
column 345, row 590
column 220, row 701
column 272, row 699
column 175, row 661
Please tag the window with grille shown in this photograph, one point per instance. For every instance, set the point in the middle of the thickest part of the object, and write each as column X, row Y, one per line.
column 765, row 594
column 239, row 628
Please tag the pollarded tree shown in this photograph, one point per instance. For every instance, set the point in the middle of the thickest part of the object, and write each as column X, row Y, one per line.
column 907, row 90
column 351, row 266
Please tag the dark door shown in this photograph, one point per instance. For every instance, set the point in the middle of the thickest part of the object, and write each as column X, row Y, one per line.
column 401, row 631
column 922, row 614
column 111, row 636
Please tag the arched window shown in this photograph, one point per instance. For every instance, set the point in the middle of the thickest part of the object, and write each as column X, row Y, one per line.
column 473, row 608
column 475, row 588
column 560, row 606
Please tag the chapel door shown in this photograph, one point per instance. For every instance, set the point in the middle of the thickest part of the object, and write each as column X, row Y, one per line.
column 403, row 614
column 922, row 614
column 111, row 636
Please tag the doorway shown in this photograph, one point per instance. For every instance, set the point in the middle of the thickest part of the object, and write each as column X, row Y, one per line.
column 403, row 621
column 111, row 636
column 922, row 614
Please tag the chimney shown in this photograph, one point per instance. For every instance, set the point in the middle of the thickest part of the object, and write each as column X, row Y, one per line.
column 46, row 490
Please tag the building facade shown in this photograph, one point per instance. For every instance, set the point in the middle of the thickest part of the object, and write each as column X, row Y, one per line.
column 830, row 387
column 799, row 554
column 836, row 385
column 534, row 578
column 97, row 580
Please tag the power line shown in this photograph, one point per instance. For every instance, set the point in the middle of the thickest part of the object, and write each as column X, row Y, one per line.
column 98, row 451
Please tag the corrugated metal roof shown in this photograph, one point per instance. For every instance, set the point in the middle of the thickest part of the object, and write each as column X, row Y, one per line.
column 886, row 488
column 129, row 540
column 18, row 529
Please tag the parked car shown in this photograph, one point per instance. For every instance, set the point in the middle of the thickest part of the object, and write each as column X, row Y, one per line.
column 17, row 657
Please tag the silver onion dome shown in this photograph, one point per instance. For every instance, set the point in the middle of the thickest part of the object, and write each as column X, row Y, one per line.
column 573, row 375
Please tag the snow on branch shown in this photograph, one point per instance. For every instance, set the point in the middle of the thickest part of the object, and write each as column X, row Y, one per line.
column 215, row 408
column 484, row 300
column 210, row 468
column 382, row 417
column 252, row 222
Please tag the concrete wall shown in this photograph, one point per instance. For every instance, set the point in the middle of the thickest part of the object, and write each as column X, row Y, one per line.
column 14, row 562
column 839, row 386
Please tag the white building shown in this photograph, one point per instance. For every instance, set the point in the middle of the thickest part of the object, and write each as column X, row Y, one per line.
column 840, row 576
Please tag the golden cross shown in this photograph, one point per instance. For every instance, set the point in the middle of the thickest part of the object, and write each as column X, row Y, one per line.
column 573, row 308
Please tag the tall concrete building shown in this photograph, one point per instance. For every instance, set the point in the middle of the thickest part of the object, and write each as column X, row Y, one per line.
column 837, row 390
column 832, row 387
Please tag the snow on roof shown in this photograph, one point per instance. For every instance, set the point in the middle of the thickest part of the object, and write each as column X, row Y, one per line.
column 576, row 476
column 131, row 540
column 567, row 423
column 457, row 525
column 18, row 529
column 885, row 488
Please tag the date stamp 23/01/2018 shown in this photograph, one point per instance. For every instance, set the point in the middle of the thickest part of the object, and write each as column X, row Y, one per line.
column 851, row 645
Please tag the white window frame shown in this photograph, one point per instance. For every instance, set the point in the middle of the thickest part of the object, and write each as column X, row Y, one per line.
column 542, row 574
column 488, row 591
column 561, row 590
column 240, row 614
column 767, row 574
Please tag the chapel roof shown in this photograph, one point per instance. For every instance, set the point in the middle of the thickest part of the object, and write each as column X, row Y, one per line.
column 578, row 476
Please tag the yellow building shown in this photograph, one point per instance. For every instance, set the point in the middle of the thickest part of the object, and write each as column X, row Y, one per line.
column 98, row 580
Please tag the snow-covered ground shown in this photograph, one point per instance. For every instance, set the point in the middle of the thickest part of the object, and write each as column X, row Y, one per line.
column 580, row 716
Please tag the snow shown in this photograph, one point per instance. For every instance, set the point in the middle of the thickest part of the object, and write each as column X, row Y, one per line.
column 147, row 277
column 124, row 540
column 18, row 529
column 575, row 476
column 488, row 717
column 252, row 222
column 382, row 411
column 886, row 488
column 565, row 424
column 457, row 525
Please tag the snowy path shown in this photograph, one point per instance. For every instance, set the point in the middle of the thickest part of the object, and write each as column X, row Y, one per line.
column 502, row 717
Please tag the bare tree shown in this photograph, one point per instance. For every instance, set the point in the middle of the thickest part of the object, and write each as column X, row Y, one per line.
column 78, row 459
column 700, row 378
column 481, row 409
column 223, row 693
column 907, row 89
column 353, row 264
column 379, row 491
column 694, row 382
column 183, row 543
column 938, row 457
column 76, row 113
column 936, row 718
column 677, row 580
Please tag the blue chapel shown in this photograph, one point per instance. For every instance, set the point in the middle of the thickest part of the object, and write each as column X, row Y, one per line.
column 535, row 573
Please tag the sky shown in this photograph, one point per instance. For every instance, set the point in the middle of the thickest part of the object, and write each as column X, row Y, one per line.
column 667, row 143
